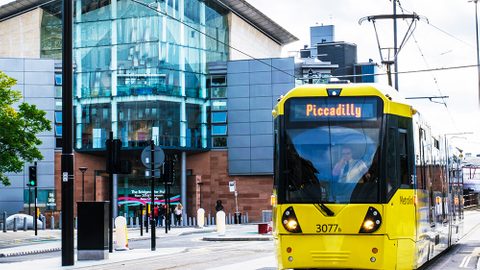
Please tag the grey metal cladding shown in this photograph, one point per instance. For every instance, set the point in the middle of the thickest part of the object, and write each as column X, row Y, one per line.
column 262, row 140
column 39, row 91
column 11, row 194
column 240, row 66
column 279, row 76
column 260, row 103
column 262, row 90
column 264, row 166
column 283, row 64
column 16, row 181
column 17, row 75
column 239, row 167
column 40, row 78
column 11, row 64
column 260, row 77
column 47, row 142
column 261, row 128
column 238, row 91
column 234, row 141
column 42, row 103
column 238, row 128
column 239, row 117
column 11, row 207
column 262, row 153
column 238, row 104
column 39, row 65
column 279, row 89
column 261, row 115
column 238, row 153
column 260, row 65
column 238, row 79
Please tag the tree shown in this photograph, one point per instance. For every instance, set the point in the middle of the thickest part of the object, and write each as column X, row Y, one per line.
column 19, row 125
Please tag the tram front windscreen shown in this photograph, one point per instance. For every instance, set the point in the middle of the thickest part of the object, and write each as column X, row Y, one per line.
column 331, row 148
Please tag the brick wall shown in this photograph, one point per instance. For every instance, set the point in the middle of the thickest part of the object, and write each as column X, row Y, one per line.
column 211, row 167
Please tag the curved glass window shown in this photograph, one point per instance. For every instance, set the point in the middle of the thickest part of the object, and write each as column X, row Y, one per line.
column 333, row 158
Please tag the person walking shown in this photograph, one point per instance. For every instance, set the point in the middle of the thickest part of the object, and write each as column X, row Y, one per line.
column 178, row 211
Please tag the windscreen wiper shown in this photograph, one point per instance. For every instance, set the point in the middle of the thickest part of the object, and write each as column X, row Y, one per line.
column 324, row 209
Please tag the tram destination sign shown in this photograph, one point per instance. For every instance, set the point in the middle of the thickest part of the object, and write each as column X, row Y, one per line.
column 321, row 109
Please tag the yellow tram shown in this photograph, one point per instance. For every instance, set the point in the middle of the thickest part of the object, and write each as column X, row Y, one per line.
column 360, row 181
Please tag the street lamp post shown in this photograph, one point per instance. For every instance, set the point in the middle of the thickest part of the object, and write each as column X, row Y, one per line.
column 83, row 170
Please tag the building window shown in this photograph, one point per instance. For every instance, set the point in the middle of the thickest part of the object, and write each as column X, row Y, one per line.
column 58, row 79
column 58, row 117
column 219, row 142
column 219, row 105
column 219, row 130
column 219, row 117
column 58, row 130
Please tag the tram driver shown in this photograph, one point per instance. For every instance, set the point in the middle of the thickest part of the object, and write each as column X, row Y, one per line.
column 348, row 169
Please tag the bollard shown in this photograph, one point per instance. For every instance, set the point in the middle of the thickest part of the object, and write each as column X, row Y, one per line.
column 246, row 217
column 136, row 222
column 221, row 227
column 195, row 221
column 121, row 237
column 24, row 224
column 15, row 224
column 52, row 222
column 201, row 217
column 4, row 222
column 229, row 220
column 190, row 221
column 131, row 222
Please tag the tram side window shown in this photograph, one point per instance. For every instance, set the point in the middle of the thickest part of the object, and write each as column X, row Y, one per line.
column 402, row 148
column 391, row 161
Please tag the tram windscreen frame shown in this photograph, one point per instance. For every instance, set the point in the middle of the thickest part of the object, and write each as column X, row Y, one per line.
column 344, row 129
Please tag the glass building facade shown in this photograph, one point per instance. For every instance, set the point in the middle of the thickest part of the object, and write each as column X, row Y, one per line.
column 140, row 72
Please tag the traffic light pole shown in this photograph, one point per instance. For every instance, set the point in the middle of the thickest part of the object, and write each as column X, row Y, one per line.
column 152, row 173
column 110, row 196
column 67, row 134
column 35, row 206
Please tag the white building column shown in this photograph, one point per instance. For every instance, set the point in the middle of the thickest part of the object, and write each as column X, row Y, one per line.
column 203, row 71
column 183, row 107
column 113, row 68
column 78, row 75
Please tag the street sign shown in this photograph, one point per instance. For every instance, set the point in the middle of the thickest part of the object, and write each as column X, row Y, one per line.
column 159, row 157
column 232, row 186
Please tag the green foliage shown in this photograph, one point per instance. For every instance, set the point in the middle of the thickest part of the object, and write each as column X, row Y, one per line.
column 20, row 123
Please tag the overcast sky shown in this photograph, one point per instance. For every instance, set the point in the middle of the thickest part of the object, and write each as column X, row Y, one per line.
column 446, row 40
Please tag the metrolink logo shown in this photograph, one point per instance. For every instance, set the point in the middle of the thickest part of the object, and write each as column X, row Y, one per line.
column 347, row 110
column 406, row 200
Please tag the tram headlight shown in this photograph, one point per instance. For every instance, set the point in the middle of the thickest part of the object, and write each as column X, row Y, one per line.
column 290, row 222
column 372, row 221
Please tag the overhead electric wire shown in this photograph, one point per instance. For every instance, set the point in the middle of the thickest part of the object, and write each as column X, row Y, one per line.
column 164, row 13
column 433, row 74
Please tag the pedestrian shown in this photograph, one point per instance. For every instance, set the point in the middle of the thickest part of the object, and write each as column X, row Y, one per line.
column 219, row 206
column 155, row 214
column 178, row 214
column 161, row 214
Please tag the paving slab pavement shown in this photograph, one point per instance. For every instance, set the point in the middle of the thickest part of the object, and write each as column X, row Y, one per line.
column 25, row 243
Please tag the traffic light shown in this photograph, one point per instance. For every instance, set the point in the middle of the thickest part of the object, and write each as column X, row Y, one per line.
column 32, row 176
column 114, row 163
